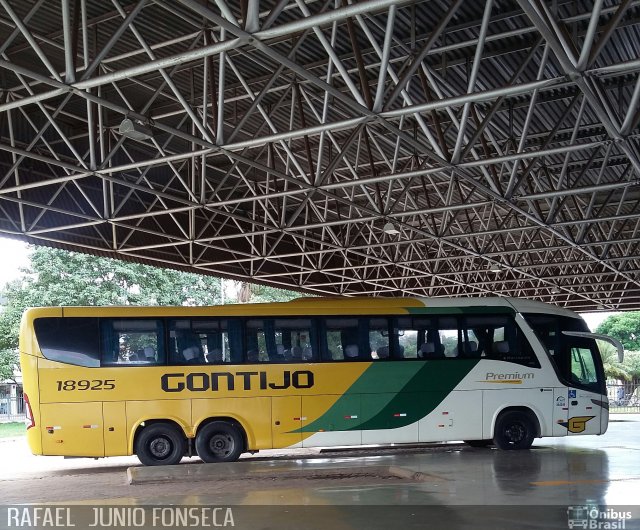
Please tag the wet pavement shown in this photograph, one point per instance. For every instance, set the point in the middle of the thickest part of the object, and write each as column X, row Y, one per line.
column 450, row 486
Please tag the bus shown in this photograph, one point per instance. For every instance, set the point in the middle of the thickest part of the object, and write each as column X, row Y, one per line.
column 168, row 382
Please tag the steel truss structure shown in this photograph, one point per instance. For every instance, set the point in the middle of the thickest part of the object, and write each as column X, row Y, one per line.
column 432, row 148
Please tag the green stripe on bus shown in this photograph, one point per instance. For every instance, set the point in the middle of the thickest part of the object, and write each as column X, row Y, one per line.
column 393, row 395
column 423, row 393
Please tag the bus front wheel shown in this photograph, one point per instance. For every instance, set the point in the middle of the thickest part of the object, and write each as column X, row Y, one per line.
column 160, row 444
column 219, row 441
column 514, row 430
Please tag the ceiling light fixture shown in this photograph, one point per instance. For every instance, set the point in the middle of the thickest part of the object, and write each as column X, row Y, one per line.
column 135, row 130
column 555, row 289
column 390, row 229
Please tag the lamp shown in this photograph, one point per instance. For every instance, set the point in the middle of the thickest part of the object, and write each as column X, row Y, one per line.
column 390, row 229
column 555, row 290
column 495, row 268
column 135, row 130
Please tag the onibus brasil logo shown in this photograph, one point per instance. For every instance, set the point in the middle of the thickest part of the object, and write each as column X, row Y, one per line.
column 592, row 516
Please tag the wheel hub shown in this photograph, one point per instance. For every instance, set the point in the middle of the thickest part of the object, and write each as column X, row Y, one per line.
column 160, row 447
column 221, row 445
column 515, row 433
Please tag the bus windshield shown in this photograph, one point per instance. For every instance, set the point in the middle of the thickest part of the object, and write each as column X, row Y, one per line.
column 575, row 359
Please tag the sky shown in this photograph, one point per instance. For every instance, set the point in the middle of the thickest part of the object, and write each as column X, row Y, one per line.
column 14, row 255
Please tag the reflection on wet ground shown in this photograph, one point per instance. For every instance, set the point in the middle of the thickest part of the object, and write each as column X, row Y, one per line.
column 456, row 484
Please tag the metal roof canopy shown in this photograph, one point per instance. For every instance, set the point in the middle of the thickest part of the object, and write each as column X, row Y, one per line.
column 426, row 148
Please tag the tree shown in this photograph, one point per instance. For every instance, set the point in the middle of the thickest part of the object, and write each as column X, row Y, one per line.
column 61, row 278
column 254, row 293
column 632, row 365
column 8, row 364
column 625, row 327
column 612, row 368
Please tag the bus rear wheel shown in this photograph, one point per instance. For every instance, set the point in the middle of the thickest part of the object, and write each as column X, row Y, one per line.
column 219, row 441
column 514, row 430
column 160, row 444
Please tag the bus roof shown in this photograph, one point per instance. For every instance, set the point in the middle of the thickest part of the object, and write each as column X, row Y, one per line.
column 310, row 305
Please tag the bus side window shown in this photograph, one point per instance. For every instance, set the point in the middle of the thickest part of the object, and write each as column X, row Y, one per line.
column 234, row 326
column 294, row 340
column 404, row 339
column 378, row 338
column 179, row 342
column 449, row 336
column 256, row 342
column 340, row 341
column 132, row 341
column 486, row 332
column 69, row 340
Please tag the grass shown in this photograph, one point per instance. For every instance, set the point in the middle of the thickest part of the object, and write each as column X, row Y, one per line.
column 10, row 430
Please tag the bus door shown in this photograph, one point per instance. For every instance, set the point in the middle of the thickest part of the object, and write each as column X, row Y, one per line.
column 115, row 428
column 286, row 421
column 72, row 429
column 334, row 420
column 584, row 392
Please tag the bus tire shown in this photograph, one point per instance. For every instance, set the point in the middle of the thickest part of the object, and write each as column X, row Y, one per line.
column 478, row 443
column 515, row 429
column 160, row 444
column 219, row 441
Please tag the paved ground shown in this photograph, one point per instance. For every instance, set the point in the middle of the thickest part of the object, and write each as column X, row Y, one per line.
column 371, row 485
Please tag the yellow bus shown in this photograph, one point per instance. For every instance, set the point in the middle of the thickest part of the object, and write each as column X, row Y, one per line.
column 169, row 382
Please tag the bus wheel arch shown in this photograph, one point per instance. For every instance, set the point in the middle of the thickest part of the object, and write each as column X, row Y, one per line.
column 516, row 428
column 221, row 440
column 159, row 442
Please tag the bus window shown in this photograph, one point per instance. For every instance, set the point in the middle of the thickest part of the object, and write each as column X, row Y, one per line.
column 199, row 342
column 379, row 338
column 488, row 334
column 256, row 335
column 294, row 340
column 574, row 358
column 449, row 336
column 132, row 341
column 583, row 368
column 69, row 340
column 404, row 339
column 341, row 339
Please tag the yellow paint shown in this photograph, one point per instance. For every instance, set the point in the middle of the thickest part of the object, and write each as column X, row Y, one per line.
column 254, row 414
column 306, row 306
column 139, row 390
column 115, row 428
column 178, row 411
column 268, row 415
column 578, row 424
column 286, row 414
column 68, row 434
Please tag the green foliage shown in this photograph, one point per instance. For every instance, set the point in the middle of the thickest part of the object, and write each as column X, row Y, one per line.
column 8, row 363
column 9, row 430
column 632, row 365
column 60, row 278
column 612, row 368
column 254, row 293
column 625, row 327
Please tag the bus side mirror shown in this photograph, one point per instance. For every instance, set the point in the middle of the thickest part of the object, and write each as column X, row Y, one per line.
column 618, row 345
